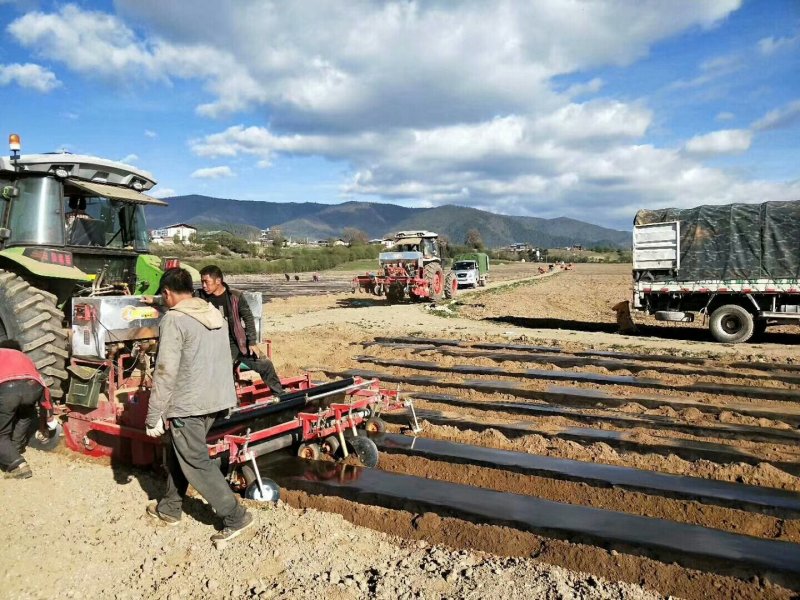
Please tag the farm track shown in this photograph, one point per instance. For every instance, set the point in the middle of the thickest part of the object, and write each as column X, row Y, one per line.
column 672, row 481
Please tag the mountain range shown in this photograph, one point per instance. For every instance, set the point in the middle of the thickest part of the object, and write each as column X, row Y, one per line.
column 321, row 221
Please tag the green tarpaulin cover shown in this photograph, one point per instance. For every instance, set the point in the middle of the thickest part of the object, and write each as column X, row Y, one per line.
column 735, row 241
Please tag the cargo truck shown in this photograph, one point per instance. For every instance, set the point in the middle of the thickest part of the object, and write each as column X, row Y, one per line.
column 737, row 265
column 471, row 269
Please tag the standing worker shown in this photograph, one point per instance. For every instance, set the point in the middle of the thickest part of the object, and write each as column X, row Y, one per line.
column 192, row 386
column 241, row 325
column 21, row 388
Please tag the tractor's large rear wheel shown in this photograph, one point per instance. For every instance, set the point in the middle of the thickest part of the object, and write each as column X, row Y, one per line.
column 435, row 277
column 30, row 316
column 450, row 285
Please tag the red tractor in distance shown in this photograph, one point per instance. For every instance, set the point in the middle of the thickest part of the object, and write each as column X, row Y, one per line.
column 412, row 269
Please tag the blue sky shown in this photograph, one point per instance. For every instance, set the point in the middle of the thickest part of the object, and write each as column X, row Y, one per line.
column 555, row 108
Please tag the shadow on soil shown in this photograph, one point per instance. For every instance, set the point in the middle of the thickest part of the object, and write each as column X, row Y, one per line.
column 362, row 302
column 367, row 301
column 669, row 332
column 153, row 483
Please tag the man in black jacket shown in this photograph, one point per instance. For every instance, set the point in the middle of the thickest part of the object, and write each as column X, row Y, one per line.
column 241, row 325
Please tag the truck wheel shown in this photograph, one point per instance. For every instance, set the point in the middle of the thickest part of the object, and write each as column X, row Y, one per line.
column 731, row 324
column 450, row 285
column 434, row 275
column 30, row 316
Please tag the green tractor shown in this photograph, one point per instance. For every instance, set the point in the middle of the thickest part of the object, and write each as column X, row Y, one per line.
column 71, row 226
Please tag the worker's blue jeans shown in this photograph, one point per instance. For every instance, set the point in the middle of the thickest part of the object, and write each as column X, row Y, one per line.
column 188, row 463
column 18, row 401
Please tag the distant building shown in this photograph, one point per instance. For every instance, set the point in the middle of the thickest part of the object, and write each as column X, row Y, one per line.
column 166, row 235
column 268, row 236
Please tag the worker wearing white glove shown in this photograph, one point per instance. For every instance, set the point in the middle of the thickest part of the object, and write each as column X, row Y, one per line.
column 156, row 431
column 192, row 387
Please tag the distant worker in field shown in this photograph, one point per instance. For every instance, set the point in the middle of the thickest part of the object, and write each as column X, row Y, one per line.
column 297, row 277
column 625, row 322
column 287, row 276
column 315, row 277
column 21, row 389
column 241, row 325
column 192, row 387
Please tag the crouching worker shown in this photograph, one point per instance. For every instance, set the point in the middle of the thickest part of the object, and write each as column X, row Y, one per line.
column 21, row 389
column 241, row 325
column 192, row 386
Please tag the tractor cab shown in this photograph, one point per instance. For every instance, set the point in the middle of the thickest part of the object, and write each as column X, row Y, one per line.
column 424, row 242
column 83, row 213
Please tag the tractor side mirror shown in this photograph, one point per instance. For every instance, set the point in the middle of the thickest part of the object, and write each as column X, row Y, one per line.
column 5, row 233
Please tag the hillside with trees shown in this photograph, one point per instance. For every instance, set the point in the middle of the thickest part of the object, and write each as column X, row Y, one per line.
column 322, row 221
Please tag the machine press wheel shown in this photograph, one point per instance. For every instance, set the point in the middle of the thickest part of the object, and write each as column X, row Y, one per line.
column 375, row 425
column 309, row 451
column 395, row 292
column 46, row 441
column 330, row 445
column 365, row 449
column 272, row 492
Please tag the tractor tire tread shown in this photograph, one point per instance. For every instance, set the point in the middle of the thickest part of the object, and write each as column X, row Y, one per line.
column 450, row 290
column 429, row 274
column 30, row 315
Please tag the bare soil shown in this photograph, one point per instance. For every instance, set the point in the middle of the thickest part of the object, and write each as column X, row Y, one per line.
column 78, row 527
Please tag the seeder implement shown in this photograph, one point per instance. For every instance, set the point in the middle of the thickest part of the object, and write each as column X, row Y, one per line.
column 106, row 406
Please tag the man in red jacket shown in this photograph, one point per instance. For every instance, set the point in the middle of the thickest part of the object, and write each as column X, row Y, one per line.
column 21, row 387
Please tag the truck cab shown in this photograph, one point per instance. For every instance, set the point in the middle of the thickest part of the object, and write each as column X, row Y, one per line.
column 471, row 270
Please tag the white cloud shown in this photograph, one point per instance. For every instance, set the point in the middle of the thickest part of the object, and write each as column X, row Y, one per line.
column 30, row 76
column 770, row 45
column 213, row 173
column 163, row 193
column 780, row 117
column 129, row 159
column 590, row 87
column 425, row 103
column 149, row 133
column 725, row 141
column 725, row 116
column 344, row 61
column 712, row 70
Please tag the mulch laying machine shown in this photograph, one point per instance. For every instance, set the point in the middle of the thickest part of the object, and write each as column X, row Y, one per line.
column 114, row 343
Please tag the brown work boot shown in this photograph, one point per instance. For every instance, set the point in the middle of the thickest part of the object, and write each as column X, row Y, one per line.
column 22, row 471
column 152, row 511
column 228, row 532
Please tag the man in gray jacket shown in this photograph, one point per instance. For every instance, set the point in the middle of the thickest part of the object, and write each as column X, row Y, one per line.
column 192, row 386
